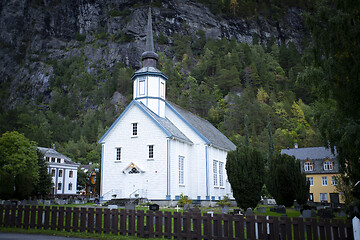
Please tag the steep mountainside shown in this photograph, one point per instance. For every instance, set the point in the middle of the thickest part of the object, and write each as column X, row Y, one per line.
column 36, row 34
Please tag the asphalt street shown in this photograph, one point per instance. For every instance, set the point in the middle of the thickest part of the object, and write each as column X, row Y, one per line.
column 20, row 236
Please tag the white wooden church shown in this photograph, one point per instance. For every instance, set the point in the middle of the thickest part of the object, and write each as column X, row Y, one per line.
column 157, row 150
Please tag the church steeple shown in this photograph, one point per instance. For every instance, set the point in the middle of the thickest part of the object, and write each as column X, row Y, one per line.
column 149, row 57
column 150, row 82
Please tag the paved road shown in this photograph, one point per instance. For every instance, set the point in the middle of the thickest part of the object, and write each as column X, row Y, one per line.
column 20, row 236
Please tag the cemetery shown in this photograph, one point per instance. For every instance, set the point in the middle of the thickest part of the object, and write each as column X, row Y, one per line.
column 188, row 221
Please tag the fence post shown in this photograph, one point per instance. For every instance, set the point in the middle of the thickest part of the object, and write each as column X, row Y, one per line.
column 356, row 228
column 68, row 219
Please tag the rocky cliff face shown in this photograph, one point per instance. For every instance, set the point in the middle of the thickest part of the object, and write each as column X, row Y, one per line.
column 35, row 33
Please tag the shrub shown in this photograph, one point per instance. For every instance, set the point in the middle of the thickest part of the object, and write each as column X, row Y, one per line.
column 184, row 200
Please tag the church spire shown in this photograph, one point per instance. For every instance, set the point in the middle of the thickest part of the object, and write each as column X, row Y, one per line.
column 149, row 57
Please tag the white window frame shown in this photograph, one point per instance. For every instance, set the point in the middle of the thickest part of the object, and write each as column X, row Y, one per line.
column 134, row 129
column 70, row 187
column 71, row 174
column 181, row 170
column 221, row 174
column 308, row 166
column 215, row 172
column 53, row 172
column 59, row 186
column 150, row 151
column 118, row 154
column 324, row 181
column 333, row 181
column 142, row 90
column 60, row 173
column 328, row 165
column 311, row 180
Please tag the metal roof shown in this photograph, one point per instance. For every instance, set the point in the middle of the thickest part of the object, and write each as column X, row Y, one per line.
column 50, row 152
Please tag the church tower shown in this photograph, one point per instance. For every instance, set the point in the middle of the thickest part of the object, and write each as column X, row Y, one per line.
column 149, row 83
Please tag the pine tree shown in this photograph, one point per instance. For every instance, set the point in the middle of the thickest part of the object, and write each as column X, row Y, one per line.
column 245, row 170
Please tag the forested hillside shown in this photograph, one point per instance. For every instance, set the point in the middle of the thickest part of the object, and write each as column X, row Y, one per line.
column 247, row 90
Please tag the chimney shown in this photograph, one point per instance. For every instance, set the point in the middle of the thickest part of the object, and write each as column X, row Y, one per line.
column 54, row 146
column 296, row 145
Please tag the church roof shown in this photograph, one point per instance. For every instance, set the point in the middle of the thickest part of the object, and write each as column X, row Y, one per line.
column 50, row 152
column 210, row 134
column 165, row 124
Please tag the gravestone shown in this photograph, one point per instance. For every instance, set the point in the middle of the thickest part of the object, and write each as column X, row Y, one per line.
column 281, row 209
column 187, row 207
column 225, row 209
column 7, row 202
column 154, row 207
column 306, row 213
column 261, row 209
column 325, row 213
column 195, row 210
column 249, row 212
column 24, row 202
column 47, row 202
column 237, row 211
column 111, row 207
column 129, row 206
column 297, row 206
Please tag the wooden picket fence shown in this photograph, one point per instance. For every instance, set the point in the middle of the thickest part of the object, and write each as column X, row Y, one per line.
column 172, row 225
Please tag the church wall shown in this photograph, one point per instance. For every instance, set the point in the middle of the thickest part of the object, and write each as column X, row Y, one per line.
column 116, row 179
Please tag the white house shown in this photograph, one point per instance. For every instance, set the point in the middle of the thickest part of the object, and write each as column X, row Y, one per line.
column 158, row 150
column 63, row 172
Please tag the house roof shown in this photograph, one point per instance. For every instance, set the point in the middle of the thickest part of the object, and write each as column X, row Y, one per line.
column 312, row 153
column 50, row 152
column 210, row 134
column 317, row 155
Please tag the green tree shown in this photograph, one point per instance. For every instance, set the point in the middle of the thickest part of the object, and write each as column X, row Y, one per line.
column 18, row 162
column 245, row 170
column 285, row 181
column 333, row 66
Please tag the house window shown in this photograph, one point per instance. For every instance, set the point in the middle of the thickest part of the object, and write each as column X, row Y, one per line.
column 333, row 180
column 47, row 159
column 52, row 159
column 324, row 181
column 60, row 173
column 142, row 87
column 59, row 160
column 134, row 129
column 59, row 186
column 215, row 171
column 308, row 166
column 328, row 165
column 53, row 172
column 70, row 186
column 181, row 170
column 221, row 174
column 71, row 173
column 118, row 154
column 311, row 180
column 151, row 151
column 323, row 197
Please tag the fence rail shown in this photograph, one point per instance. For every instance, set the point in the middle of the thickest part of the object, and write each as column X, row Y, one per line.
column 172, row 225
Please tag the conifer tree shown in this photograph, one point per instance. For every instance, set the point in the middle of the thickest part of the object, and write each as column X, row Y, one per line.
column 245, row 170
